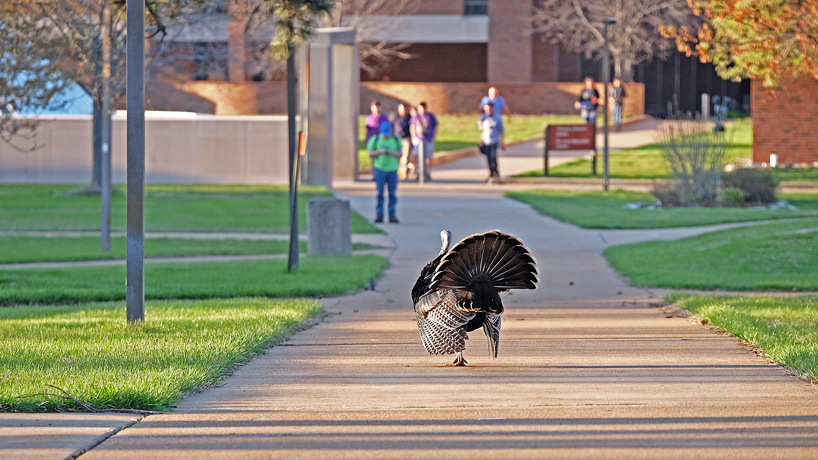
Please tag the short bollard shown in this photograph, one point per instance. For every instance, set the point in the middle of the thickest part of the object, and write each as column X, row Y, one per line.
column 329, row 227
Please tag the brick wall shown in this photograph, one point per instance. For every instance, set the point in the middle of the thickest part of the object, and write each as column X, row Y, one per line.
column 250, row 98
column 437, row 7
column 509, row 46
column 784, row 122
column 523, row 98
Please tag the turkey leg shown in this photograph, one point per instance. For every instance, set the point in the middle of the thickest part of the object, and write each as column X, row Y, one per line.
column 458, row 360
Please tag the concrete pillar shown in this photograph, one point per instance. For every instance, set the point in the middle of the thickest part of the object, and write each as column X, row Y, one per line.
column 334, row 79
column 329, row 227
column 509, row 46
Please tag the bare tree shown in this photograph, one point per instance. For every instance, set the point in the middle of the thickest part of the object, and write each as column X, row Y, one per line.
column 578, row 25
column 373, row 20
column 76, row 28
column 694, row 153
column 31, row 73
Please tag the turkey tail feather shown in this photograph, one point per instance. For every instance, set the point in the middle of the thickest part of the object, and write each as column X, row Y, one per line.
column 495, row 259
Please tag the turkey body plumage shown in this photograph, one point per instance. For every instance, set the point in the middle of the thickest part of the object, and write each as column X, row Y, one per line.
column 459, row 291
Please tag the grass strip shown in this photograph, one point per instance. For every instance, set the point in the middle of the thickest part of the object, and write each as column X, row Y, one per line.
column 606, row 210
column 168, row 208
column 460, row 131
column 22, row 249
column 93, row 354
column 783, row 328
column 647, row 162
column 780, row 256
column 317, row 276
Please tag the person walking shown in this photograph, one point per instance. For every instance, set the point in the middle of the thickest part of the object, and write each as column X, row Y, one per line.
column 374, row 120
column 424, row 125
column 616, row 96
column 403, row 131
column 491, row 136
column 588, row 101
column 500, row 105
column 385, row 149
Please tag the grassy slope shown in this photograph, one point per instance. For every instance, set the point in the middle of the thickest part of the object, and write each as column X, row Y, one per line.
column 770, row 256
column 267, row 278
column 783, row 328
column 600, row 209
column 90, row 352
column 460, row 131
column 646, row 162
column 190, row 208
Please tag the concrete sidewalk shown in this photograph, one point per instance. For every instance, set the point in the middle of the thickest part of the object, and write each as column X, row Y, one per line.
column 589, row 367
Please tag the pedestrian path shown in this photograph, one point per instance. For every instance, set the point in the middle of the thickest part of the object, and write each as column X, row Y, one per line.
column 528, row 156
column 589, row 367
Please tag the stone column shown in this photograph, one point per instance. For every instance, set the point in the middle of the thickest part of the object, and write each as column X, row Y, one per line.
column 329, row 227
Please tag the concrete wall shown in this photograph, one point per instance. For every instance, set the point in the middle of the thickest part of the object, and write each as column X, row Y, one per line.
column 784, row 122
column 179, row 148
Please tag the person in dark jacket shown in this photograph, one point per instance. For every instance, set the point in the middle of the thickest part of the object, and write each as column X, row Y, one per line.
column 616, row 96
column 588, row 101
column 403, row 131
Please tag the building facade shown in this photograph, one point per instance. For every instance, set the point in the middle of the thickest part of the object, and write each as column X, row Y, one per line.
column 447, row 42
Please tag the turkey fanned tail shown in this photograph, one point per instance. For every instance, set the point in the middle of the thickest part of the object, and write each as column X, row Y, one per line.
column 494, row 259
column 459, row 291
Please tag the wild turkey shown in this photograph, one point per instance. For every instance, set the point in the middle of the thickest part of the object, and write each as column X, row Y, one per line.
column 459, row 291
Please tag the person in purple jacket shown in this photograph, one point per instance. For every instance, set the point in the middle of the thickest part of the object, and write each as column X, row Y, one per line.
column 424, row 126
column 374, row 120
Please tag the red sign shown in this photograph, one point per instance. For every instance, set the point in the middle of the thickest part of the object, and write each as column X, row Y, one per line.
column 571, row 137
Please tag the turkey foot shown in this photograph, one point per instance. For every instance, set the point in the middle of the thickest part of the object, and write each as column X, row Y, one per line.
column 458, row 360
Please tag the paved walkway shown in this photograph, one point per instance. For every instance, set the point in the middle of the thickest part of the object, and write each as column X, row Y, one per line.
column 589, row 367
column 529, row 156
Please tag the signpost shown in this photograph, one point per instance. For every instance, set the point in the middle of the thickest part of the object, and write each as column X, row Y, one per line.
column 569, row 137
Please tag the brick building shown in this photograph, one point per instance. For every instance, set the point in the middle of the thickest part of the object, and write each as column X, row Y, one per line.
column 452, row 42
column 784, row 122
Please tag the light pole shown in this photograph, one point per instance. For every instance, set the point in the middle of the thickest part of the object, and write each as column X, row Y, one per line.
column 135, row 235
column 606, row 77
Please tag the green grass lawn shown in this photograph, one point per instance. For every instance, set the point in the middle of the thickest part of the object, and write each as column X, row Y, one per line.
column 170, row 208
column 21, row 249
column 460, row 131
column 254, row 278
column 90, row 352
column 770, row 256
column 783, row 328
column 646, row 162
column 599, row 209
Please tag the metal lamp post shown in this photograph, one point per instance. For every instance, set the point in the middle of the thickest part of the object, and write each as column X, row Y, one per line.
column 606, row 77
column 135, row 62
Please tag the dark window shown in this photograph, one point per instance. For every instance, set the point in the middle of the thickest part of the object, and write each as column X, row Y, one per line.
column 472, row 7
column 201, row 60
